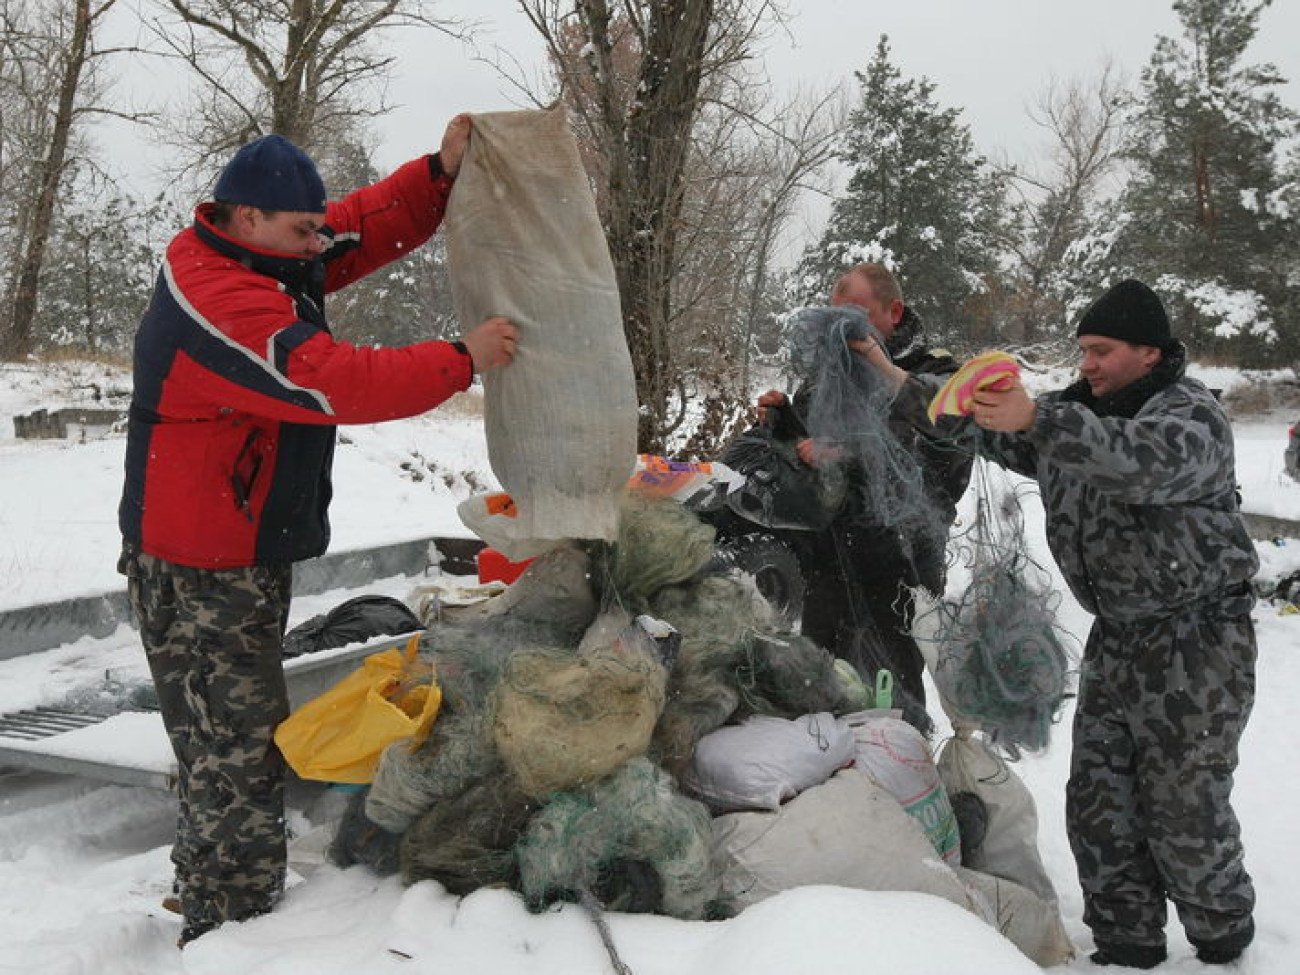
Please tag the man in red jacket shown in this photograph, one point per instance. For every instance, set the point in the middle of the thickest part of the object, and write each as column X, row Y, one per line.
column 238, row 388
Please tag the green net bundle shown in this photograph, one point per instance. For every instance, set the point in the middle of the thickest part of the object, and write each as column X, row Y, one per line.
column 546, row 611
column 632, row 839
column 552, row 767
column 467, row 841
column 1001, row 661
column 660, row 543
column 717, row 618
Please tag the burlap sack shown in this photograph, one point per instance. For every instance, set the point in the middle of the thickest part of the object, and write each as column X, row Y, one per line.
column 848, row 832
column 1010, row 847
column 524, row 241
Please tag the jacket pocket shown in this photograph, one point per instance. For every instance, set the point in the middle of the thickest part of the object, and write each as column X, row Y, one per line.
column 248, row 463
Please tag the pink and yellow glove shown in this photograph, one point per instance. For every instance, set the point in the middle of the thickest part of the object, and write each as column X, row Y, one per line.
column 989, row 370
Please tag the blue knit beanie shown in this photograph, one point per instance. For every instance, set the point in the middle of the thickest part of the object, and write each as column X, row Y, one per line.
column 1130, row 312
column 273, row 174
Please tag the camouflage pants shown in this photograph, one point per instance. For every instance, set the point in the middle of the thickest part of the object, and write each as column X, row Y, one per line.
column 1162, row 706
column 213, row 640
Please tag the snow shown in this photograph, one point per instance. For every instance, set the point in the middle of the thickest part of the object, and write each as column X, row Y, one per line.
column 58, row 499
column 84, row 865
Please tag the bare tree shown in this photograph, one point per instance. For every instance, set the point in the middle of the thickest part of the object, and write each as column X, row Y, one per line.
column 695, row 178
column 747, row 176
column 310, row 70
column 49, row 88
column 1083, row 120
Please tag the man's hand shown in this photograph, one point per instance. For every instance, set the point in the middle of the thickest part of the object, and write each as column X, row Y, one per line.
column 816, row 453
column 491, row 343
column 773, row 397
column 454, row 142
column 872, row 351
column 1006, row 411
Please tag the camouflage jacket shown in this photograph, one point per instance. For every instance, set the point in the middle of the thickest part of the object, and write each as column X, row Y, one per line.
column 1142, row 512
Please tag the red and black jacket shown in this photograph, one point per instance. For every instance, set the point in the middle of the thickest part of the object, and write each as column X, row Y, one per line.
column 239, row 383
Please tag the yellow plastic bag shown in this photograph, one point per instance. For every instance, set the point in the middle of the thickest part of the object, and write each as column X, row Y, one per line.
column 338, row 736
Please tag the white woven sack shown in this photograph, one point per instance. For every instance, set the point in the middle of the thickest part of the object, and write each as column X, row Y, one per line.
column 897, row 756
column 765, row 760
column 1025, row 919
column 848, row 832
column 524, row 241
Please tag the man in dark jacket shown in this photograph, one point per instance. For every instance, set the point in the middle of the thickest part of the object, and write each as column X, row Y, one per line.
column 238, row 388
column 860, row 570
column 1135, row 464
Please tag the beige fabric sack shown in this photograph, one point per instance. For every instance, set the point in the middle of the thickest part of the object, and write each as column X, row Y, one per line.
column 1010, row 848
column 848, row 832
column 898, row 757
column 524, row 241
column 1025, row 919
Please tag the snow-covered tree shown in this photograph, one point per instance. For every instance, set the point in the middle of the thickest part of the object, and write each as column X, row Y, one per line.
column 1069, row 219
column 918, row 199
column 103, row 260
column 1206, row 210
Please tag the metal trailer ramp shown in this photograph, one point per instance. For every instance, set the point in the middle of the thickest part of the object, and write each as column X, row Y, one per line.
column 131, row 747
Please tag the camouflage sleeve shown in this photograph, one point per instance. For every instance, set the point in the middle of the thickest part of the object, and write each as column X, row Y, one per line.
column 1178, row 449
column 1015, row 452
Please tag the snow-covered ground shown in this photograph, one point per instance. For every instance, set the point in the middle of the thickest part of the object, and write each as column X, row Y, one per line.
column 83, row 865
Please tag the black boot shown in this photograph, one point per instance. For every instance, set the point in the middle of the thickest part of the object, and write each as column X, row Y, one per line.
column 1130, row 956
column 1225, row 950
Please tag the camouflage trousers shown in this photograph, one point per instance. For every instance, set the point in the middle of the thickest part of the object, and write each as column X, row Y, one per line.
column 1162, row 706
column 213, row 638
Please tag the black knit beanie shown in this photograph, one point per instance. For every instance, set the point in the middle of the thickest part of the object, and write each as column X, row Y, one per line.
column 1130, row 312
column 271, row 173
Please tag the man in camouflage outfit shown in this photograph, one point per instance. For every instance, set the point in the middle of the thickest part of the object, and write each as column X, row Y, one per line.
column 239, row 387
column 1135, row 462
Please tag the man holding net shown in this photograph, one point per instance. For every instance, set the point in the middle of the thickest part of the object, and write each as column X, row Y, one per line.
column 860, row 570
column 1136, row 468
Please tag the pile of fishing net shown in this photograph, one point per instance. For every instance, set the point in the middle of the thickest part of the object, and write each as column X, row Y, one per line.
column 999, row 661
column 565, row 762
column 570, row 712
column 596, row 744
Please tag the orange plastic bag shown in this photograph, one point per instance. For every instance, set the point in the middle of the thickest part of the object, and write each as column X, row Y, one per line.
column 338, row 736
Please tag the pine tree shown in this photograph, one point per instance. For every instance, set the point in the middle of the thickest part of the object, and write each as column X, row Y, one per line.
column 919, row 199
column 1205, row 215
column 103, row 263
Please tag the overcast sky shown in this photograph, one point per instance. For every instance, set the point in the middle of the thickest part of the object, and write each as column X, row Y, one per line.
column 989, row 57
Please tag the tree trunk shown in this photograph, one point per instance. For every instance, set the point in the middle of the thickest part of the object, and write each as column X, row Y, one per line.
column 645, row 248
column 21, row 302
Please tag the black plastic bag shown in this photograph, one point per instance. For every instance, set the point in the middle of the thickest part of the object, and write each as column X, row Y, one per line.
column 354, row 621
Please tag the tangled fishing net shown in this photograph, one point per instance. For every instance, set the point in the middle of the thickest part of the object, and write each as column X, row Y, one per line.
column 631, row 839
column 1001, row 661
column 553, row 764
column 847, row 403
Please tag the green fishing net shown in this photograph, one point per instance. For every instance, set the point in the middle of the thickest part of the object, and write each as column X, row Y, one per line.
column 552, row 767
